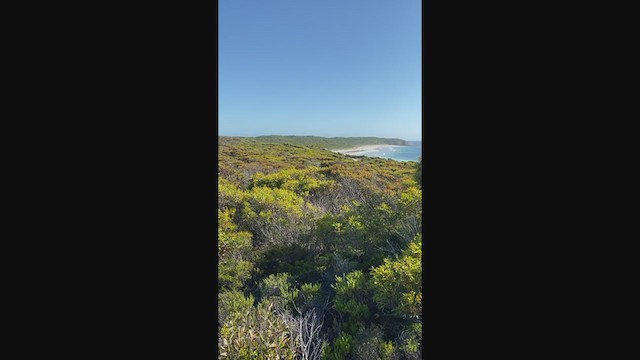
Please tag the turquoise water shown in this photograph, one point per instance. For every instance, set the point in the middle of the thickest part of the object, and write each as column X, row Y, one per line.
column 400, row 153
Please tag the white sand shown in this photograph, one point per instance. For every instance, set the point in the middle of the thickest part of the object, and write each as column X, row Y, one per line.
column 365, row 149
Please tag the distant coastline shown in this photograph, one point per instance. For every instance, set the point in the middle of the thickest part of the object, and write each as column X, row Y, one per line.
column 410, row 152
column 329, row 143
column 355, row 147
column 361, row 150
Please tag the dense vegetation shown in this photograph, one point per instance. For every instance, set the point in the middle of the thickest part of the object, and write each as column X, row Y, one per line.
column 320, row 254
column 333, row 143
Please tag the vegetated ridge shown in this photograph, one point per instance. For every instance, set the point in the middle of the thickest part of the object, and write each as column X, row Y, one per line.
column 330, row 143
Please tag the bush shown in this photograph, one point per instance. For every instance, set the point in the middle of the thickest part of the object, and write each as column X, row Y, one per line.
column 418, row 174
column 410, row 342
column 277, row 216
column 301, row 182
column 232, row 304
column 310, row 296
column 340, row 348
column 234, row 249
column 277, row 289
column 260, row 335
column 398, row 283
column 292, row 259
column 386, row 351
column 368, row 345
column 352, row 298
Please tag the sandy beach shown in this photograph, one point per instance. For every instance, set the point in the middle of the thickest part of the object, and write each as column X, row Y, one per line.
column 365, row 149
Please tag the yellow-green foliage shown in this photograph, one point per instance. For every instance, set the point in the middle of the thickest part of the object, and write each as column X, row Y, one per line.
column 386, row 350
column 306, row 230
column 229, row 195
column 267, row 201
column 301, row 182
column 340, row 348
column 241, row 158
column 352, row 294
column 277, row 289
column 398, row 283
column 418, row 174
column 233, row 252
column 277, row 216
column 260, row 335
column 273, row 215
column 230, row 241
column 233, row 304
column 310, row 291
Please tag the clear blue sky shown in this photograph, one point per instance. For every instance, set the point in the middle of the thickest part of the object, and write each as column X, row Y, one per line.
column 320, row 67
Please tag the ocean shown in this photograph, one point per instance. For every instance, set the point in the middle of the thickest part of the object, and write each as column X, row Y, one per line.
column 399, row 153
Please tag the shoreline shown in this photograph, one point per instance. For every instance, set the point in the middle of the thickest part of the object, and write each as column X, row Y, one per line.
column 365, row 149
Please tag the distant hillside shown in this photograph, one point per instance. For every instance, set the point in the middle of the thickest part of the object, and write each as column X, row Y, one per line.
column 332, row 143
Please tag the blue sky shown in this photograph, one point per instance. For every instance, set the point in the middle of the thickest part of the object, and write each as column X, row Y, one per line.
column 320, row 67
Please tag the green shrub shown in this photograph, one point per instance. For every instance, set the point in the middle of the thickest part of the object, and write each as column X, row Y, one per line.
column 277, row 289
column 386, row 350
column 232, row 304
column 260, row 335
column 352, row 297
column 277, row 216
column 368, row 344
column 310, row 296
column 234, row 248
column 340, row 348
column 398, row 283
